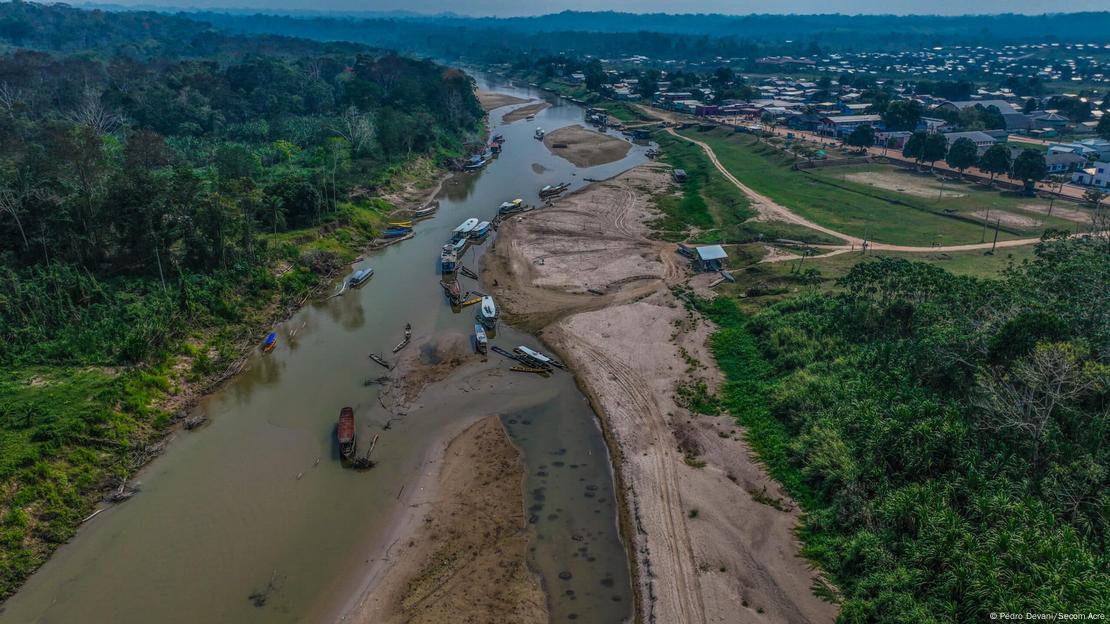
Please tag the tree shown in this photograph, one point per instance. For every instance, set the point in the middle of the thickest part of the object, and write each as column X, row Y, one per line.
column 902, row 115
column 862, row 137
column 995, row 161
column 1029, row 167
column 1094, row 197
column 914, row 147
column 1103, row 127
column 934, row 148
column 962, row 154
column 1029, row 106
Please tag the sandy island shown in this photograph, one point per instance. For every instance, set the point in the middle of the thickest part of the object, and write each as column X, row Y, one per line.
column 585, row 271
column 520, row 113
column 584, row 147
column 490, row 100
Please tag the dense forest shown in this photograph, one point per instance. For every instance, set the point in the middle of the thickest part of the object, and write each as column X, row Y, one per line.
column 946, row 435
column 149, row 174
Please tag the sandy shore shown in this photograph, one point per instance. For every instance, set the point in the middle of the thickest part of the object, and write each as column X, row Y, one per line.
column 465, row 561
column 712, row 535
column 520, row 113
column 585, row 147
column 490, row 100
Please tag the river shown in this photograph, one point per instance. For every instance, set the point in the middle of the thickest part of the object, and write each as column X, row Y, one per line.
column 224, row 515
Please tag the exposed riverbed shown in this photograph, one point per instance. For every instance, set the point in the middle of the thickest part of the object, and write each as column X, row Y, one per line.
column 252, row 519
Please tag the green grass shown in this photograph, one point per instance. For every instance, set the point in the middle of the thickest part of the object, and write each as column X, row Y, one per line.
column 710, row 209
column 829, row 197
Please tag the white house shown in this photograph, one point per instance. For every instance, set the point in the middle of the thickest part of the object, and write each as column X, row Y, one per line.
column 1098, row 174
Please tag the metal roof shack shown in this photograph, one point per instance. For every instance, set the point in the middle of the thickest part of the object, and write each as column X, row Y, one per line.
column 711, row 257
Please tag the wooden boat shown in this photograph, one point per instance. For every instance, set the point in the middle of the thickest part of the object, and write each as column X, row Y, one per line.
column 471, row 301
column 516, row 205
column 498, row 138
column 401, row 224
column 380, row 360
column 467, row 272
column 530, row 117
column 487, row 312
column 452, row 290
column 408, row 338
column 481, row 342
column 554, row 189
column 396, row 232
column 475, row 163
column 460, row 246
column 480, row 230
column 426, row 211
column 345, row 433
column 539, row 134
column 529, row 369
column 359, row 277
column 269, row 343
column 464, row 229
column 536, row 358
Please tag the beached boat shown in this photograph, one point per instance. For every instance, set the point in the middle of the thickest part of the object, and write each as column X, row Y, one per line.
column 464, row 229
column 510, row 207
column 448, row 260
column 467, row 272
column 530, row 117
column 481, row 342
column 269, row 343
column 453, row 291
column 460, row 246
column 539, row 133
column 487, row 312
column 554, row 189
column 498, row 138
column 359, row 277
column 345, row 433
column 475, row 163
column 480, row 230
column 426, row 211
column 380, row 360
column 534, row 357
column 400, row 224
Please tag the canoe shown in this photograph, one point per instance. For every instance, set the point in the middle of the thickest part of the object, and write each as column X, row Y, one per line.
column 269, row 343
column 400, row 224
column 380, row 360
column 345, row 433
column 396, row 232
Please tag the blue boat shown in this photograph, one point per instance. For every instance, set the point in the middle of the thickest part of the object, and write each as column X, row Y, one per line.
column 396, row 232
column 475, row 162
column 448, row 260
column 270, row 342
column 359, row 277
column 480, row 230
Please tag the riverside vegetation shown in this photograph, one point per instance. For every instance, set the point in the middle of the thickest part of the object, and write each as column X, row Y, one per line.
column 166, row 189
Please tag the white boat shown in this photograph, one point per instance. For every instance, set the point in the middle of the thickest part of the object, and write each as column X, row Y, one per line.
column 535, row 355
column 539, row 133
column 530, row 117
column 487, row 312
column 359, row 277
column 481, row 342
column 459, row 246
column 464, row 229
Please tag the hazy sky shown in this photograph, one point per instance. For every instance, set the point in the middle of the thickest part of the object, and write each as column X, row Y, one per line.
column 532, row 7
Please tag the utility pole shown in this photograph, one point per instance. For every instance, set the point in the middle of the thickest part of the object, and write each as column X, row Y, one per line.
column 986, row 220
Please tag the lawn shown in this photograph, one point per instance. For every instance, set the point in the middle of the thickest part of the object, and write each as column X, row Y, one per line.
column 836, row 198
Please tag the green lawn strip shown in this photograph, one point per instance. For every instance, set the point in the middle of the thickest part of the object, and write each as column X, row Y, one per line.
column 827, row 197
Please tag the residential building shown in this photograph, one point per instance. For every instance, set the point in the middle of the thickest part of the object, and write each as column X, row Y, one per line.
column 1098, row 174
column 843, row 125
column 1064, row 162
column 982, row 140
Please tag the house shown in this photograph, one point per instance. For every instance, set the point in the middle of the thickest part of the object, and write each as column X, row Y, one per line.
column 1003, row 106
column 808, row 122
column 711, row 258
column 1098, row 174
column 843, row 125
column 1064, row 162
column 982, row 140
column 932, row 124
column 1088, row 152
column 1101, row 146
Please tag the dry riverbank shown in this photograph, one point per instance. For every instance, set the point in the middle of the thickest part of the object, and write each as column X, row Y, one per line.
column 490, row 100
column 584, row 147
column 712, row 536
column 465, row 559
column 520, row 113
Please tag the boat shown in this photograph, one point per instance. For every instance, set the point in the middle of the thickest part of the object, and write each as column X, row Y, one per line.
column 345, row 433
column 475, row 162
column 359, row 277
column 539, row 133
column 400, row 224
column 448, row 260
column 487, row 312
column 481, row 342
column 380, row 360
column 498, row 138
column 452, row 290
column 530, row 117
column 269, row 343
column 408, row 338
column 426, row 211
column 464, row 229
column 554, row 189
column 459, row 246
column 510, row 207
column 495, row 149
column 535, row 357
column 396, row 232
column 480, row 230
column 467, row 272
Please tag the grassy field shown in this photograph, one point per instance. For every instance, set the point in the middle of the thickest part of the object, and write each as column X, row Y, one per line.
column 710, row 209
column 838, row 197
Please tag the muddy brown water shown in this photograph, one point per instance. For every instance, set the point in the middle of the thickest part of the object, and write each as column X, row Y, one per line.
column 237, row 522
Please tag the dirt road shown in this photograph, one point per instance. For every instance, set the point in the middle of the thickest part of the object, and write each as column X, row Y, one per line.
column 705, row 549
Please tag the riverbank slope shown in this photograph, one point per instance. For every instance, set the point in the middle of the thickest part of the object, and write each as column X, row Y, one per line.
column 712, row 534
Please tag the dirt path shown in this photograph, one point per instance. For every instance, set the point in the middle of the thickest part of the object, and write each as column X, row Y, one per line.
column 769, row 209
column 704, row 549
